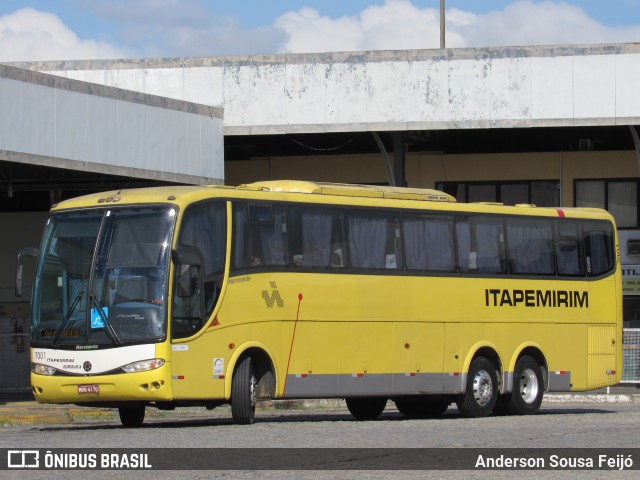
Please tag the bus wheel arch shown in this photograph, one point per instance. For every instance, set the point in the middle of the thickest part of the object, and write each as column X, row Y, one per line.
column 482, row 384
column 530, row 380
column 253, row 379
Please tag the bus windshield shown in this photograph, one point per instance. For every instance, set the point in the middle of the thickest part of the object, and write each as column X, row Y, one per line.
column 101, row 277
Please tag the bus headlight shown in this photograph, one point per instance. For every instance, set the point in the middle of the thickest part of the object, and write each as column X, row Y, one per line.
column 42, row 369
column 143, row 365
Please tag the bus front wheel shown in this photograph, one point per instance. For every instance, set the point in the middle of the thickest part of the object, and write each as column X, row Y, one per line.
column 482, row 389
column 366, row 408
column 131, row 417
column 528, row 388
column 243, row 393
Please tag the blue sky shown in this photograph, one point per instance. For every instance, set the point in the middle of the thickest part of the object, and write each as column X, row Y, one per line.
column 79, row 29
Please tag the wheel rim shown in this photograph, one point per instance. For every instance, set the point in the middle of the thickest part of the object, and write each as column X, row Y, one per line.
column 252, row 391
column 482, row 388
column 528, row 386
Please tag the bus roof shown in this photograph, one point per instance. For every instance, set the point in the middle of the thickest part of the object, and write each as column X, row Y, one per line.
column 349, row 190
column 340, row 193
column 169, row 193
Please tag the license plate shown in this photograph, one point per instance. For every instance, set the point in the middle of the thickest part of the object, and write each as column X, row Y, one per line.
column 88, row 389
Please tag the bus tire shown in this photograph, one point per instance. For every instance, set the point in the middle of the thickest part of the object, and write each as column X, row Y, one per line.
column 131, row 417
column 420, row 407
column 366, row 408
column 482, row 389
column 528, row 387
column 243, row 393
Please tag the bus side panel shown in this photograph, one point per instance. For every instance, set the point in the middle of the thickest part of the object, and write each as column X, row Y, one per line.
column 565, row 348
column 310, row 354
column 418, row 349
column 458, row 340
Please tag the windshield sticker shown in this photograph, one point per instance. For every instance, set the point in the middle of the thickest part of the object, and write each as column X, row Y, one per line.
column 96, row 318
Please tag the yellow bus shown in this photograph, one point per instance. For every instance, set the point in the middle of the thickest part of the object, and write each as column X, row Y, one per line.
column 209, row 295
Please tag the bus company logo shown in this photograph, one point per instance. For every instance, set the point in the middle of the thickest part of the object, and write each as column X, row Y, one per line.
column 274, row 298
column 23, row 459
column 86, row 366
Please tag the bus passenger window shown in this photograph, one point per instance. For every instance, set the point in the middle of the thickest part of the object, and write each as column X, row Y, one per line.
column 568, row 251
column 530, row 247
column 598, row 244
column 480, row 245
column 374, row 240
column 428, row 243
column 260, row 236
column 317, row 237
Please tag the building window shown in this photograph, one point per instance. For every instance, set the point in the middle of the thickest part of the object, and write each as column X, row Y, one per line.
column 542, row 193
column 619, row 197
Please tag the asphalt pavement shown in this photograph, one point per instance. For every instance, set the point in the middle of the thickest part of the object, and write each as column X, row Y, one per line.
column 19, row 408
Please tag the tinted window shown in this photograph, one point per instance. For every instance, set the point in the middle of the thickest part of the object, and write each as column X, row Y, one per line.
column 568, row 249
column 317, row 237
column 260, row 236
column 374, row 240
column 480, row 245
column 598, row 245
column 530, row 247
column 428, row 242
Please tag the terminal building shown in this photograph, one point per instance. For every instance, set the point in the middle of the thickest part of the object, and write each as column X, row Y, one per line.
column 551, row 126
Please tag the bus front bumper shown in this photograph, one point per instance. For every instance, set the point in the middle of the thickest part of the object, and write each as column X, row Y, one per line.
column 150, row 386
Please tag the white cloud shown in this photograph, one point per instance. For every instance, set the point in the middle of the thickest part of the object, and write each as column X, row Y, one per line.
column 399, row 24
column 28, row 35
column 167, row 28
column 528, row 23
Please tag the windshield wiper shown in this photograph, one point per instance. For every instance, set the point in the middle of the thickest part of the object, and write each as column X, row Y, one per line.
column 108, row 328
column 67, row 317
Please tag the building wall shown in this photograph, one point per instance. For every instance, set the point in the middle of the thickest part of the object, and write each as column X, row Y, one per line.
column 57, row 122
column 565, row 85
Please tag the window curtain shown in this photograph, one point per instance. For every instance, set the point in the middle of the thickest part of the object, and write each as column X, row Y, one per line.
column 530, row 248
column 273, row 239
column 598, row 253
column 428, row 244
column 489, row 254
column 479, row 245
column 316, row 239
column 367, row 239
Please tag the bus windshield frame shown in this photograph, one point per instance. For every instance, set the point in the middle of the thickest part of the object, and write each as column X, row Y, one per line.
column 102, row 277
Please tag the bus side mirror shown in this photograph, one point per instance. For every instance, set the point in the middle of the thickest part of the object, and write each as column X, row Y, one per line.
column 25, row 252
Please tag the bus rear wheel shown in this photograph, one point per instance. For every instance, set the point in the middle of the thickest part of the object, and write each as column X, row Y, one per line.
column 482, row 389
column 131, row 417
column 243, row 393
column 366, row 408
column 528, row 388
column 420, row 407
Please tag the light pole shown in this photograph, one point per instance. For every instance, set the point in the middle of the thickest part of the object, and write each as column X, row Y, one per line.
column 442, row 42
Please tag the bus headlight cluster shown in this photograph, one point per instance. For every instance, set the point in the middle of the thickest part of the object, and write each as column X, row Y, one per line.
column 143, row 365
column 42, row 369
